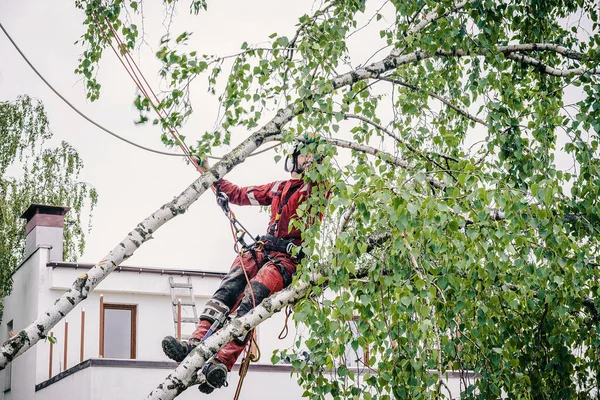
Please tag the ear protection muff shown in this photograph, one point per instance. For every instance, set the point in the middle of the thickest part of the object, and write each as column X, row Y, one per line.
column 291, row 161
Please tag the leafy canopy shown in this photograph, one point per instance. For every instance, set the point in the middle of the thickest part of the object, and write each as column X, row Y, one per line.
column 462, row 157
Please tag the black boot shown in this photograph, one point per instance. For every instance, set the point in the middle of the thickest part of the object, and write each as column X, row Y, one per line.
column 215, row 375
column 176, row 350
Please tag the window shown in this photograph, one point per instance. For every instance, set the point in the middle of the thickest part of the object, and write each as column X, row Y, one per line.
column 8, row 369
column 118, row 338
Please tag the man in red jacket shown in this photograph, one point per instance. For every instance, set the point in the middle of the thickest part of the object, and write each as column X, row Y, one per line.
column 269, row 267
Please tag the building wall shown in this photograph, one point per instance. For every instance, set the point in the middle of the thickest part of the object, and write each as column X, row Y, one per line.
column 101, row 382
column 150, row 292
column 77, row 387
column 263, row 385
column 21, row 307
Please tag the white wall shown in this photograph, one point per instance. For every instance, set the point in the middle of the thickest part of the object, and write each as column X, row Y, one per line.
column 77, row 387
column 22, row 307
column 151, row 294
column 116, row 383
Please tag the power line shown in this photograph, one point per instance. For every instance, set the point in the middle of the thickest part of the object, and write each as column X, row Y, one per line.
column 94, row 122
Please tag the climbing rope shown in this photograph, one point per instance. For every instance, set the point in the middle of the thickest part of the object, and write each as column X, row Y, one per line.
column 285, row 330
column 245, row 364
column 142, row 84
column 249, row 357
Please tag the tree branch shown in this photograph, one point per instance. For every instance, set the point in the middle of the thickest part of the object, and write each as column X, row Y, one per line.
column 383, row 129
column 402, row 163
column 551, row 70
column 510, row 52
column 447, row 102
column 429, row 18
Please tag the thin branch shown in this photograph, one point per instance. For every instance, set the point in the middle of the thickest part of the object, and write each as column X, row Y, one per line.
column 509, row 52
column 317, row 14
column 447, row 102
column 551, row 70
column 384, row 130
column 429, row 18
column 400, row 162
column 345, row 218
column 574, row 55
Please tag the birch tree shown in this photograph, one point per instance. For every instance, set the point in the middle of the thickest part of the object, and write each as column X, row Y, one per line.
column 31, row 171
column 462, row 158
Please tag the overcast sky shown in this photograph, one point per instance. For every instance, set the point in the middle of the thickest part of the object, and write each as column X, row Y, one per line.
column 133, row 183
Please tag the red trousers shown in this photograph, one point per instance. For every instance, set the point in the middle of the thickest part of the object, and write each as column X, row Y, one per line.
column 274, row 275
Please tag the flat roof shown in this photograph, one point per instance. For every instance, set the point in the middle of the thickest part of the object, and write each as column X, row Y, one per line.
column 142, row 270
column 130, row 363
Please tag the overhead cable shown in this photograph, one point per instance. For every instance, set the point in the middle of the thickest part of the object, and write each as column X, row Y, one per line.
column 96, row 124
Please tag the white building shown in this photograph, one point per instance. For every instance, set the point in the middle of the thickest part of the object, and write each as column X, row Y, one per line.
column 109, row 346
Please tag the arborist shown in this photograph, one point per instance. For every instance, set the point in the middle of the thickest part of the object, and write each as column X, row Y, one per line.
column 269, row 263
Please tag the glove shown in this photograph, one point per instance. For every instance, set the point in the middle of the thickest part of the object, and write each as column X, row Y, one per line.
column 202, row 162
column 223, row 201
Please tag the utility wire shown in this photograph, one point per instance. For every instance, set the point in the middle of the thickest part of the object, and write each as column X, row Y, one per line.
column 94, row 122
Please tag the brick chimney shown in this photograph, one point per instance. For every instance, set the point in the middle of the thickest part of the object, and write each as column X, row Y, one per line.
column 45, row 227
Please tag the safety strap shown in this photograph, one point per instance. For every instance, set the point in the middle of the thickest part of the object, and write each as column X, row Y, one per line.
column 290, row 192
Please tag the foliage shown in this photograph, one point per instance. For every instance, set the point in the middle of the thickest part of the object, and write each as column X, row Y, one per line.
column 477, row 220
column 42, row 175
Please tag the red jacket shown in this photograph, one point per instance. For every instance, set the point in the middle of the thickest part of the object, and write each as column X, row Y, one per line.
column 293, row 192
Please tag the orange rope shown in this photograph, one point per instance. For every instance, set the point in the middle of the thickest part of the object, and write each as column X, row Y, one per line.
column 285, row 330
column 131, row 61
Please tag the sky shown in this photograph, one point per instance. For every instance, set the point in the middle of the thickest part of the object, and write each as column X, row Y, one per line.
column 133, row 183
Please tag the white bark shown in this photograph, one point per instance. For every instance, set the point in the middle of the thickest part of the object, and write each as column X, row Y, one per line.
column 551, row 70
column 510, row 52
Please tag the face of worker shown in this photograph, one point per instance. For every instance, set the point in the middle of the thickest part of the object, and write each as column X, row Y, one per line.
column 304, row 160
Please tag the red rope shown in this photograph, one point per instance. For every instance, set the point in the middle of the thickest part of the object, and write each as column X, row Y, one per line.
column 138, row 82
